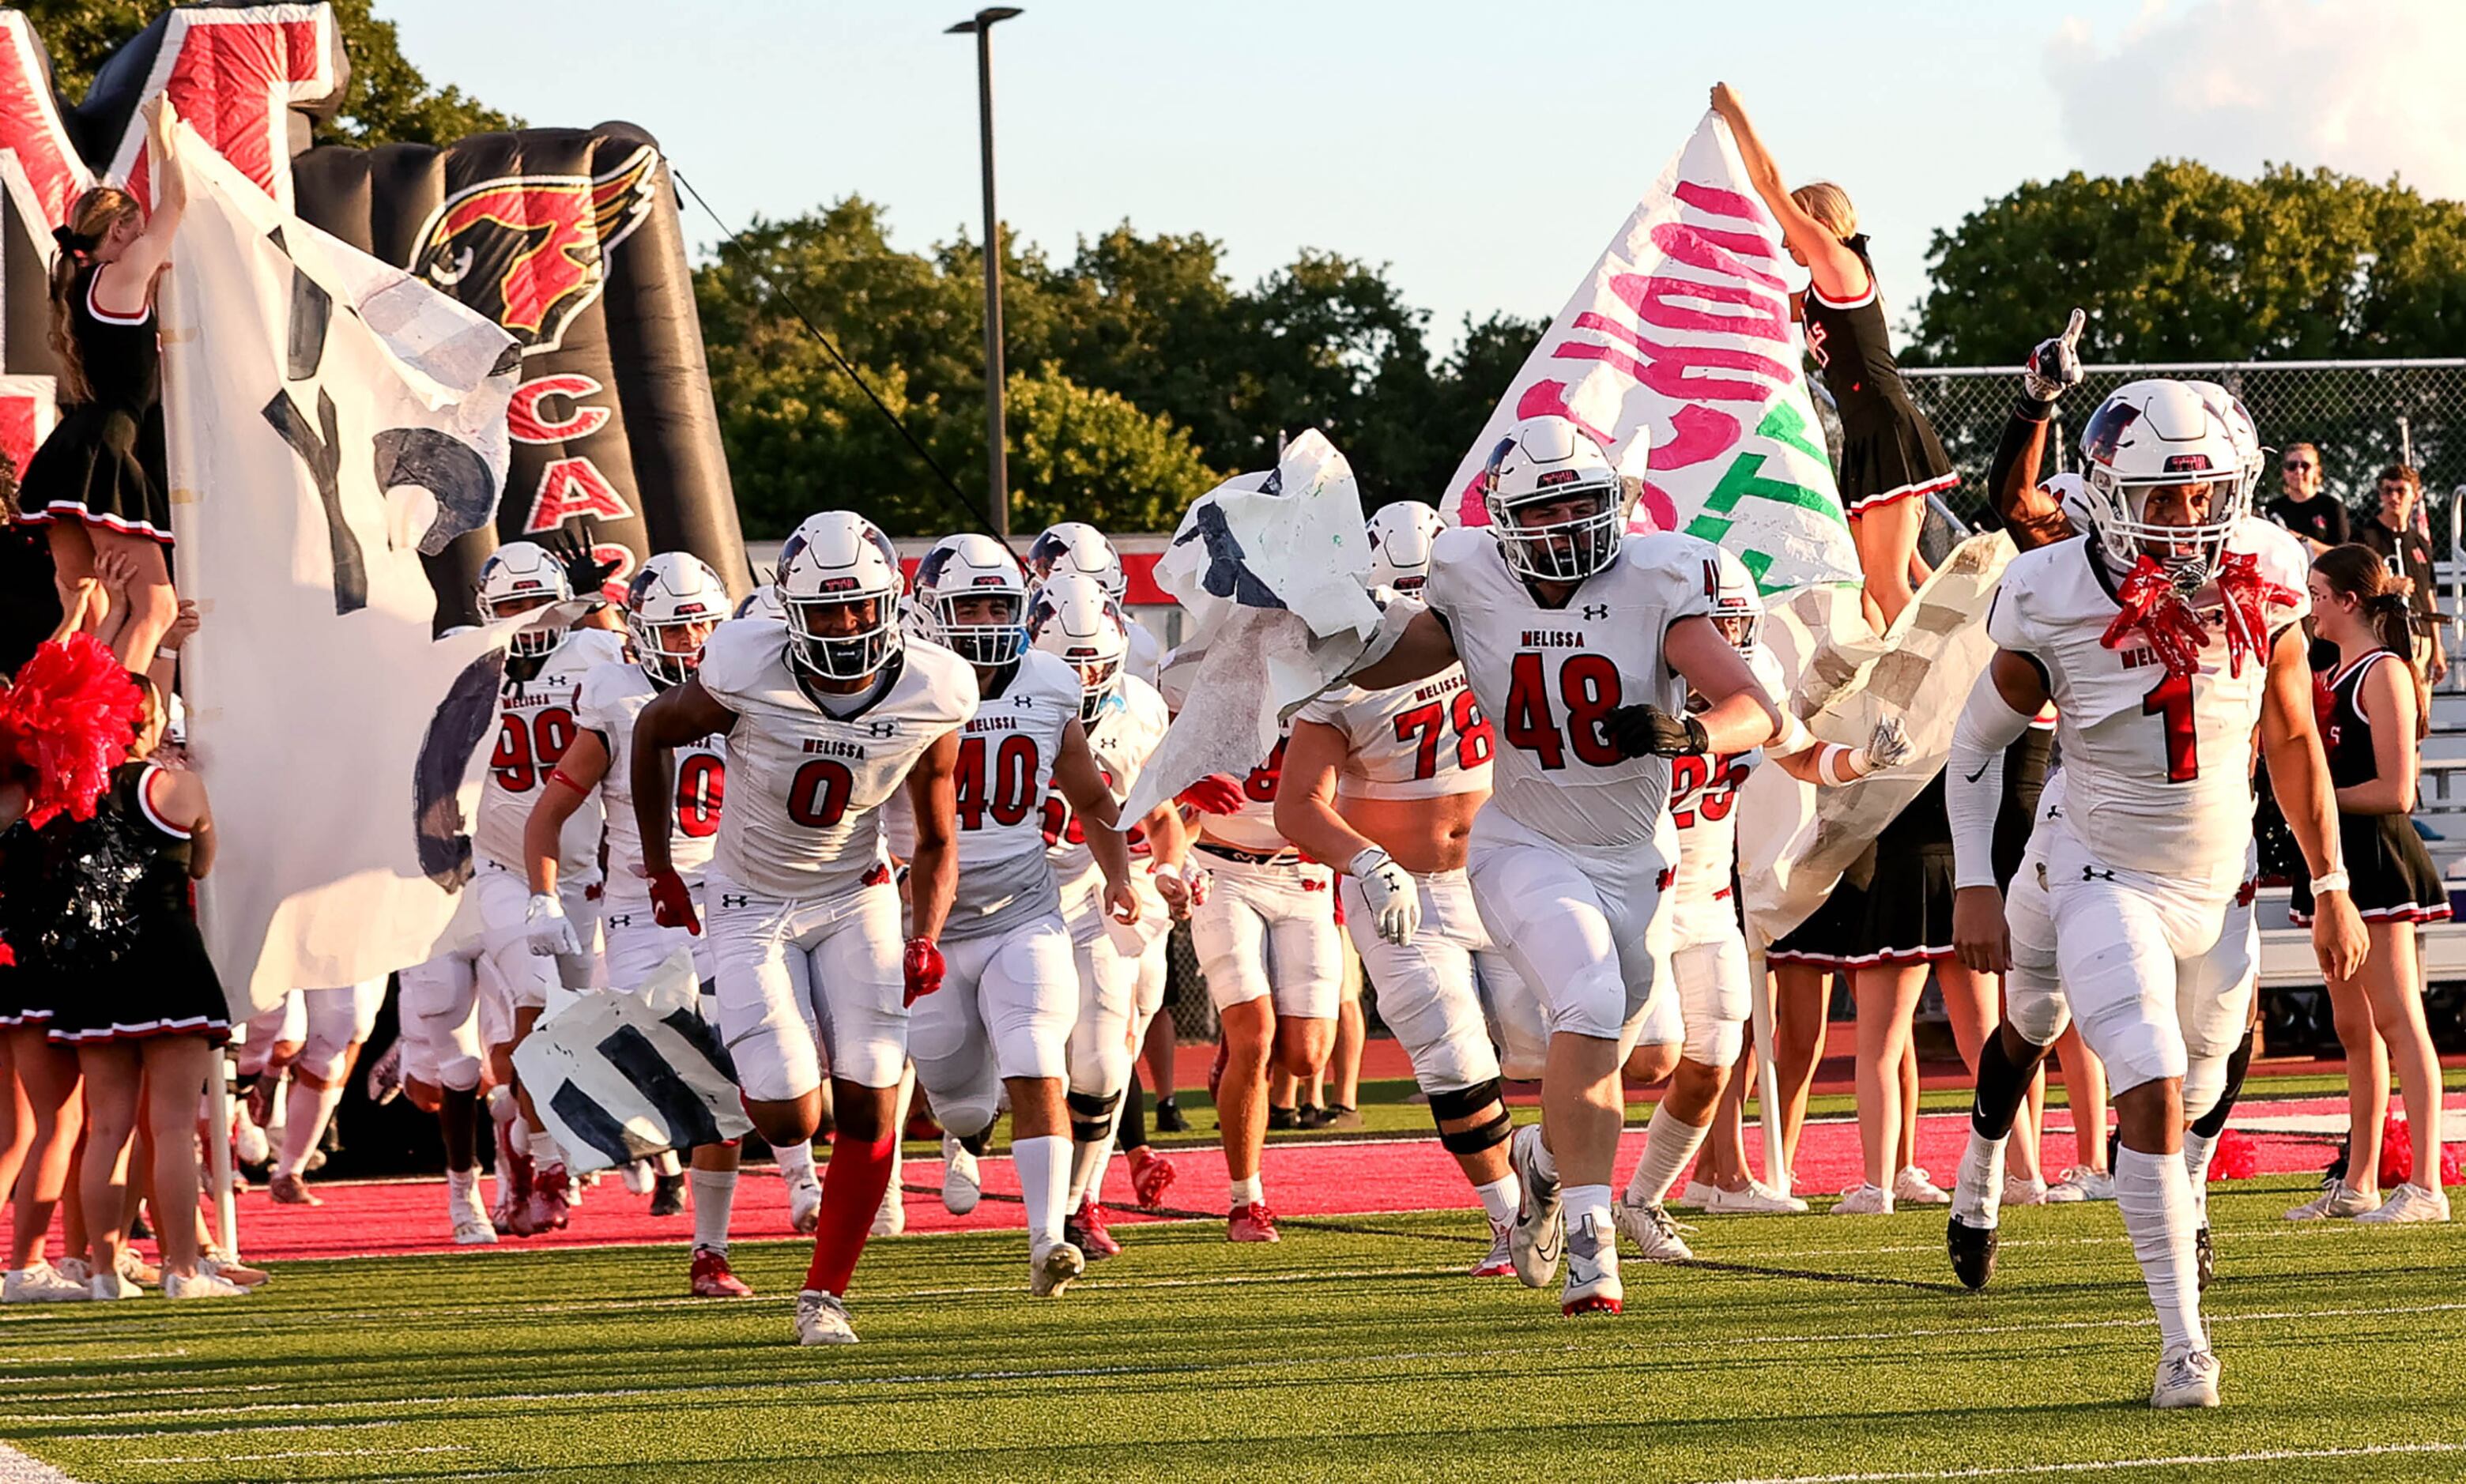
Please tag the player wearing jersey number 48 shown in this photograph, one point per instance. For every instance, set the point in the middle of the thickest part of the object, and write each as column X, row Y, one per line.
column 2166, row 636
column 998, row 1025
column 672, row 605
column 1580, row 642
column 826, row 715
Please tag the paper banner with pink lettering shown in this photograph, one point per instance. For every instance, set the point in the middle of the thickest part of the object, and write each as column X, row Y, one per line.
column 1681, row 335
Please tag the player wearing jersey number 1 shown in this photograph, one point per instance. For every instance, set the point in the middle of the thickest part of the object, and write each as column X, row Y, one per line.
column 1581, row 642
column 1002, row 1022
column 2168, row 636
column 826, row 715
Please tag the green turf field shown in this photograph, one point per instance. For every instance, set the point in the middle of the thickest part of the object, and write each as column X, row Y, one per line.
column 1803, row 1348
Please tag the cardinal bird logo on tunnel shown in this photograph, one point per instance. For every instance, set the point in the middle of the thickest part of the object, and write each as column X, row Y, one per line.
column 531, row 251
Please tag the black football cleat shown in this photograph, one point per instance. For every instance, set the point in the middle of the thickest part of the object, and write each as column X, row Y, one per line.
column 1972, row 1249
column 2205, row 1258
column 668, row 1195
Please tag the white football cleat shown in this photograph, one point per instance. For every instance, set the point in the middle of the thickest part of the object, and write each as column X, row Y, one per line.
column 1053, row 1269
column 2408, row 1202
column 1592, row 1270
column 472, row 1227
column 822, row 1319
column 891, row 1217
column 1864, row 1201
column 1539, row 1220
column 205, row 1285
column 1754, row 1199
column 2080, row 1183
column 1913, row 1187
column 961, row 1186
column 42, row 1284
column 805, row 1204
column 2339, row 1200
column 1653, row 1231
column 1501, row 1261
column 2186, row 1376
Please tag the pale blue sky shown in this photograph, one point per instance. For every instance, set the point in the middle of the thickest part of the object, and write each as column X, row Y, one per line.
column 1485, row 151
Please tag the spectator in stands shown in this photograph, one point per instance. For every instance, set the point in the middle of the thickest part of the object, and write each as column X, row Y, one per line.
column 2369, row 732
column 2393, row 536
column 2303, row 509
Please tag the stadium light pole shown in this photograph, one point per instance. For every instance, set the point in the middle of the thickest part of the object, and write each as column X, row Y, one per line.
column 997, row 438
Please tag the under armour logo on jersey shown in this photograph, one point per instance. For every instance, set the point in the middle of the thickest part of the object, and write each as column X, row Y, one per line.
column 2092, row 874
column 1597, row 610
column 734, row 899
column 621, row 919
column 883, row 728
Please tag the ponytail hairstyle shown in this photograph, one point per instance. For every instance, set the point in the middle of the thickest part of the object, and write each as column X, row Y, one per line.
column 2355, row 571
column 1829, row 203
column 90, row 220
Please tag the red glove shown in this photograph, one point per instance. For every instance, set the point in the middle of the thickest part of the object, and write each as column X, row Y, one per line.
column 1218, row 793
column 672, row 902
column 923, row 967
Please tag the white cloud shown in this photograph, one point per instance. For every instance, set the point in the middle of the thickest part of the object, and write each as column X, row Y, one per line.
column 2369, row 87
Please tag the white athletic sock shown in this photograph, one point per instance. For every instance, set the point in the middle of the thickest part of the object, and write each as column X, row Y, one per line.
column 1499, row 1198
column 1246, row 1191
column 544, row 1150
column 1669, row 1141
column 1044, row 1167
column 796, row 1163
column 1544, row 1163
column 2198, row 1150
column 1588, row 1199
column 2156, row 1200
column 1087, row 1169
column 714, row 1197
column 1977, row 1191
column 304, row 1111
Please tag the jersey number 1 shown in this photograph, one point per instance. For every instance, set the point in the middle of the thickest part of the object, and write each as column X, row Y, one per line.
column 2172, row 700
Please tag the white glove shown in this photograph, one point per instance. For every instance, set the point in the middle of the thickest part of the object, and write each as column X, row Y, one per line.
column 1888, row 746
column 2054, row 367
column 550, row 930
column 1196, row 877
column 1394, row 898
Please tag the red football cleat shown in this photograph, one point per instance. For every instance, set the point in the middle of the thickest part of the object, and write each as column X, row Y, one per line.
column 1087, row 1232
column 552, row 1204
column 711, row 1279
column 1251, row 1223
column 1599, row 1303
column 1151, row 1177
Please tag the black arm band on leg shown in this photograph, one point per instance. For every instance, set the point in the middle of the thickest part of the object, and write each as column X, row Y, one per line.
column 1485, row 1135
column 1471, row 1102
column 1091, row 1118
column 2002, row 1085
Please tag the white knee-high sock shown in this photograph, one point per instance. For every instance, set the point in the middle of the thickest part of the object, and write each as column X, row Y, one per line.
column 1500, row 1197
column 1977, row 1191
column 1087, row 1162
column 714, row 1199
column 2199, row 1149
column 1668, row 1143
column 1044, row 1166
column 796, row 1163
column 2156, row 1201
column 304, row 1111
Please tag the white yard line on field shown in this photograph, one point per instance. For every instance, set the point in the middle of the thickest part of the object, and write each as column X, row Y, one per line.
column 305, row 1452
column 16, row 1468
column 2104, row 1465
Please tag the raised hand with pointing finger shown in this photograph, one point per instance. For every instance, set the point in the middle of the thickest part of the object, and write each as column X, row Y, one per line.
column 2054, row 367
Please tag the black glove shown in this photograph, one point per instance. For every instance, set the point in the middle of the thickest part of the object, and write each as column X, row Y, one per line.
column 1646, row 731
column 2054, row 367
column 584, row 572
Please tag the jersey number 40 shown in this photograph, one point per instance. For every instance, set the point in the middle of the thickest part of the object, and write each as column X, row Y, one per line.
column 1003, row 786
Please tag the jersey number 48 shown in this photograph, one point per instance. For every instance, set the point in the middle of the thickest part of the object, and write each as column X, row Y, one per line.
column 1588, row 687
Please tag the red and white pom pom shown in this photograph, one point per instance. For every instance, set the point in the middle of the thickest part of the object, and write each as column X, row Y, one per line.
column 2235, row 1158
column 66, row 722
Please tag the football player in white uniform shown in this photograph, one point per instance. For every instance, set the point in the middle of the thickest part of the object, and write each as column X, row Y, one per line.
column 543, row 667
column 826, row 715
column 313, row 1037
column 1581, row 643
column 2168, row 636
column 1708, row 946
column 1121, row 966
column 1076, row 547
column 672, row 604
column 1002, row 1020
column 1388, row 782
column 442, row 1008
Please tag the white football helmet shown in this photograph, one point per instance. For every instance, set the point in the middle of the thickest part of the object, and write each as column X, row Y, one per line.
column 763, row 602
column 1738, row 607
column 1076, row 620
column 840, row 584
column 973, row 565
column 2161, row 433
column 1547, row 460
column 672, row 606
column 1076, row 547
column 523, row 572
column 1400, row 535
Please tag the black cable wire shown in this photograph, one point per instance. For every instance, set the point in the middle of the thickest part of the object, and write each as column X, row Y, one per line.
column 958, row 496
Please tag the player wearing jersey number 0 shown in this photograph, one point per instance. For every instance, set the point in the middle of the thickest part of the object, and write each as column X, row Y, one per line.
column 672, row 606
column 1581, row 643
column 826, row 715
column 1002, row 1022
column 1387, row 782
column 2166, row 637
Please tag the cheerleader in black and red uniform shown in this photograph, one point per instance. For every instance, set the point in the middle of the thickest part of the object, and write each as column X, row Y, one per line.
column 2367, row 725
column 1890, row 460
column 100, row 481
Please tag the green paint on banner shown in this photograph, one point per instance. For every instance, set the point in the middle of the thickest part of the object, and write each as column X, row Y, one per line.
column 1744, row 477
column 1783, row 424
column 1758, row 564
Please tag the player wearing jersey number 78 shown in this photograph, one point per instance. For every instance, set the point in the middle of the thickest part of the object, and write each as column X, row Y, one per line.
column 1581, row 642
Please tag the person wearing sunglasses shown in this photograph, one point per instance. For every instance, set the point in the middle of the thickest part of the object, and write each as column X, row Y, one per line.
column 2303, row 509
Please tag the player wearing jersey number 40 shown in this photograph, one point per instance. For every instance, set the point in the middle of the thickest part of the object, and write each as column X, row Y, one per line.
column 1580, row 642
column 826, row 715
column 2166, row 636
